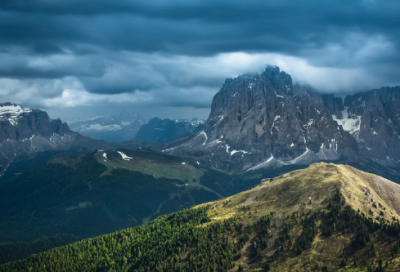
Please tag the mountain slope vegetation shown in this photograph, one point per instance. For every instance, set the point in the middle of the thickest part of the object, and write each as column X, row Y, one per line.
column 105, row 191
column 323, row 218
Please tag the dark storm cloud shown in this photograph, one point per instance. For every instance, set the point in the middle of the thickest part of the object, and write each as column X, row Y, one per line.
column 196, row 27
column 169, row 48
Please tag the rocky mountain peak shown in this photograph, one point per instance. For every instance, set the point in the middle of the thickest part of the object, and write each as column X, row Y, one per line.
column 24, row 132
column 262, row 120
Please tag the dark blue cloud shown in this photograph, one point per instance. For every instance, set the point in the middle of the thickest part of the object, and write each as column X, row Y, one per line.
column 104, row 44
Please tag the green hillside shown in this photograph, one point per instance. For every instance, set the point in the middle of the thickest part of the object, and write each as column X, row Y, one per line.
column 324, row 218
column 90, row 195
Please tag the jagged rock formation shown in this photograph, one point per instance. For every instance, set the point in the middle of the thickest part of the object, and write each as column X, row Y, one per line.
column 375, row 118
column 158, row 131
column 24, row 132
column 263, row 121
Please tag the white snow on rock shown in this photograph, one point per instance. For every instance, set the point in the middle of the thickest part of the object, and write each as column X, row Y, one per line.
column 238, row 151
column 124, row 156
column 11, row 113
column 277, row 95
column 198, row 163
column 99, row 127
column 350, row 124
column 183, row 163
column 205, row 136
column 105, row 155
column 309, row 123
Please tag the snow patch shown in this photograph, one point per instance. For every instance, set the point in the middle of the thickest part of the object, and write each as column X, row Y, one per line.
column 205, row 136
column 238, row 151
column 11, row 112
column 309, row 123
column 351, row 125
column 277, row 95
column 124, row 156
column 99, row 127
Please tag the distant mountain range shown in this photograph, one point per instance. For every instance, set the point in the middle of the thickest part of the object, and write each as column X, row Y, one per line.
column 25, row 133
column 158, row 131
column 109, row 128
column 127, row 126
column 263, row 121
column 257, row 121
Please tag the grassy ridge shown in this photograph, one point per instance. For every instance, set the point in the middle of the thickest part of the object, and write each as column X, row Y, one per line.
column 316, row 219
column 302, row 221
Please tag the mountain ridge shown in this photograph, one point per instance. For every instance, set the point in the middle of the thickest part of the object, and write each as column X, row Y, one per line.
column 264, row 121
column 326, row 217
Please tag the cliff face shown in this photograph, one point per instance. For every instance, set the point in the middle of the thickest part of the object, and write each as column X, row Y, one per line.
column 262, row 120
column 24, row 132
column 378, row 112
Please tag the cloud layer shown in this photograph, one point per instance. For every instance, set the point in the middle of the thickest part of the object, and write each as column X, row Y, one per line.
column 58, row 54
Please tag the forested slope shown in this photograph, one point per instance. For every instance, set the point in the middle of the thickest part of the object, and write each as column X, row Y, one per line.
column 323, row 218
column 89, row 195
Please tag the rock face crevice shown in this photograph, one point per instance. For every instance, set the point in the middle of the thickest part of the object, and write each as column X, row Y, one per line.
column 263, row 120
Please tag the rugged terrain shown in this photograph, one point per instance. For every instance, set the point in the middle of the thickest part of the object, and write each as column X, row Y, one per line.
column 158, row 131
column 25, row 132
column 326, row 217
column 263, row 121
column 29, row 137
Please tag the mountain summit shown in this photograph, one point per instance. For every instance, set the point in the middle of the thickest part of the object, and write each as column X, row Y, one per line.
column 24, row 132
column 263, row 121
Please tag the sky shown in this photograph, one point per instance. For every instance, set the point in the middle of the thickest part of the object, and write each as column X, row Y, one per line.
column 168, row 59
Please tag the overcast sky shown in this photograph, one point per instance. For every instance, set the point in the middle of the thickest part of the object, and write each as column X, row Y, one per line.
column 168, row 58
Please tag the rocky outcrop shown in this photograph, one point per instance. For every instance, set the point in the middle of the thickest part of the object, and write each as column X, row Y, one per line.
column 24, row 132
column 263, row 120
column 378, row 123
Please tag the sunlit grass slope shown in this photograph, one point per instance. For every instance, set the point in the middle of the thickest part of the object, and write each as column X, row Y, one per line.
column 326, row 217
